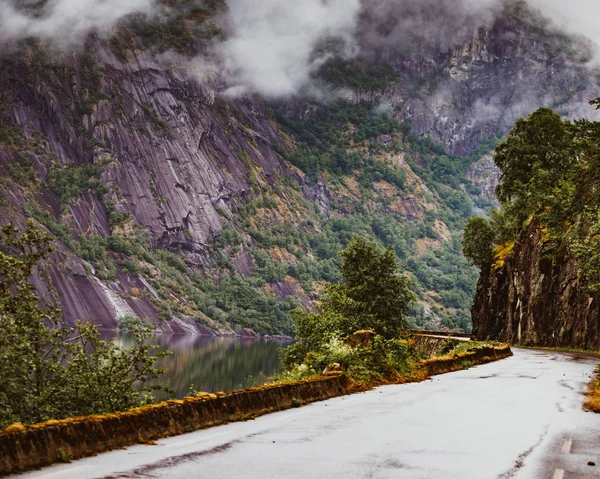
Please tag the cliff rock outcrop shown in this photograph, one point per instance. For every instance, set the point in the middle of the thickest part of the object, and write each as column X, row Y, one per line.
column 533, row 299
column 476, row 84
column 169, row 154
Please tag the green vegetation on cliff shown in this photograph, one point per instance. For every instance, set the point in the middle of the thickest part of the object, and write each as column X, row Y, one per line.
column 366, row 157
column 550, row 175
column 357, row 75
column 359, row 152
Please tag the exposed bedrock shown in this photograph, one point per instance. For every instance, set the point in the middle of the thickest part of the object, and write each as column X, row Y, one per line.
column 536, row 300
column 178, row 158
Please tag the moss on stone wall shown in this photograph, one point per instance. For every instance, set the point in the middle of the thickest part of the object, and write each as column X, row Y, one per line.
column 27, row 447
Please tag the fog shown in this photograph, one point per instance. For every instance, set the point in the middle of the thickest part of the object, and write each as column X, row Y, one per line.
column 271, row 46
column 274, row 46
column 575, row 16
column 272, row 43
column 64, row 20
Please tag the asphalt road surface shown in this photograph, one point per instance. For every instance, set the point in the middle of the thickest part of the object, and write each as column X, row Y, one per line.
column 517, row 418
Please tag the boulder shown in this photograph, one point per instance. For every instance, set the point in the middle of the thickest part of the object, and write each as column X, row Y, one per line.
column 363, row 338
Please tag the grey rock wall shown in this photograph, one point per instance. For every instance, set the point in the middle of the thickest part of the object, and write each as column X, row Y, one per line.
column 536, row 300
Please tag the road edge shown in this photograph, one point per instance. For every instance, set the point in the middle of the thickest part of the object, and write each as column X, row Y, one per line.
column 31, row 447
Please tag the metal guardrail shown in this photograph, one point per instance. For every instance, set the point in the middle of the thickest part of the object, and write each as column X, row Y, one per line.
column 449, row 334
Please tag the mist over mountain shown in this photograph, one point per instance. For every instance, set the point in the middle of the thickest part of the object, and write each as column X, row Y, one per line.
column 576, row 17
column 64, row 21
column 203, row 162
column 274, row 48
column 280, row 42
column 272, row 44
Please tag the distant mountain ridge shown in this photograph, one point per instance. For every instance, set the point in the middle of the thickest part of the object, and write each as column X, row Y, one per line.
column 172, row 203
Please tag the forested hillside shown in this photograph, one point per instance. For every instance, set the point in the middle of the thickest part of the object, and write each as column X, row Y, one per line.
column 175, row 197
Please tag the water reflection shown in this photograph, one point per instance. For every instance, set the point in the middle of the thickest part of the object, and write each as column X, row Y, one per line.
column 214, row 364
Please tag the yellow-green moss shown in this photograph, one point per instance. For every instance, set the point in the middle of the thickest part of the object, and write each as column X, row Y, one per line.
column 592, row 402
column 15, row 427
column 501, row 252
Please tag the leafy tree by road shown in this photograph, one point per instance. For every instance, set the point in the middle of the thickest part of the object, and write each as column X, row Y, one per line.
column 478, row 242
column 52, row 373
column 373, row 295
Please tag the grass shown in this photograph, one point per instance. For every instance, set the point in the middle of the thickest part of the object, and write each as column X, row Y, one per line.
column 466, row 346
column 297, row 374
column 592, row 402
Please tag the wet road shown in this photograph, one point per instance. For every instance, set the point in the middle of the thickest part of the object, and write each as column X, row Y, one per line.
column 517, row 418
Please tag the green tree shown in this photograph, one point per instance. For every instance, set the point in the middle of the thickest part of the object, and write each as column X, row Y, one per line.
column 542, row 142
column 53, row 373
column 373, row 293
column 537, row 162
column 313, row 332
column 478, row 242
column 550, row 181
column 585, row 246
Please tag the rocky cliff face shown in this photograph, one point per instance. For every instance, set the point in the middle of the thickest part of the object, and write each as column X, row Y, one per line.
column 168, row 153
column 479, row 81
column 170, row 202
column 484, row 177
column 535, row 300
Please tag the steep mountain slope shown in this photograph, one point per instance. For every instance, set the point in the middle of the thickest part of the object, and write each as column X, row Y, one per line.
column 170, row 201
column 468, row 84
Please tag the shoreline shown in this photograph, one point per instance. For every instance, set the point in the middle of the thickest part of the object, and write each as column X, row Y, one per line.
column 157, row 332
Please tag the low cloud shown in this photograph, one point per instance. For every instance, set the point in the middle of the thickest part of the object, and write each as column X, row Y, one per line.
column 273, row 47
column 574, row 16
column 64, row 20
column 437, row 23
column 426, row 25
column 272, row 44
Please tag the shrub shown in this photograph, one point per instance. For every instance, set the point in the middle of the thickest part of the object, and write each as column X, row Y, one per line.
column 22, row 171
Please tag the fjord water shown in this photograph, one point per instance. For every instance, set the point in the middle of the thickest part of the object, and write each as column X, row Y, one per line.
column 212, row 364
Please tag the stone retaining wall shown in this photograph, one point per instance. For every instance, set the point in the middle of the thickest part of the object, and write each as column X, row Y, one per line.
column 446, row 364
column 23, row 448
column 30, row 447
